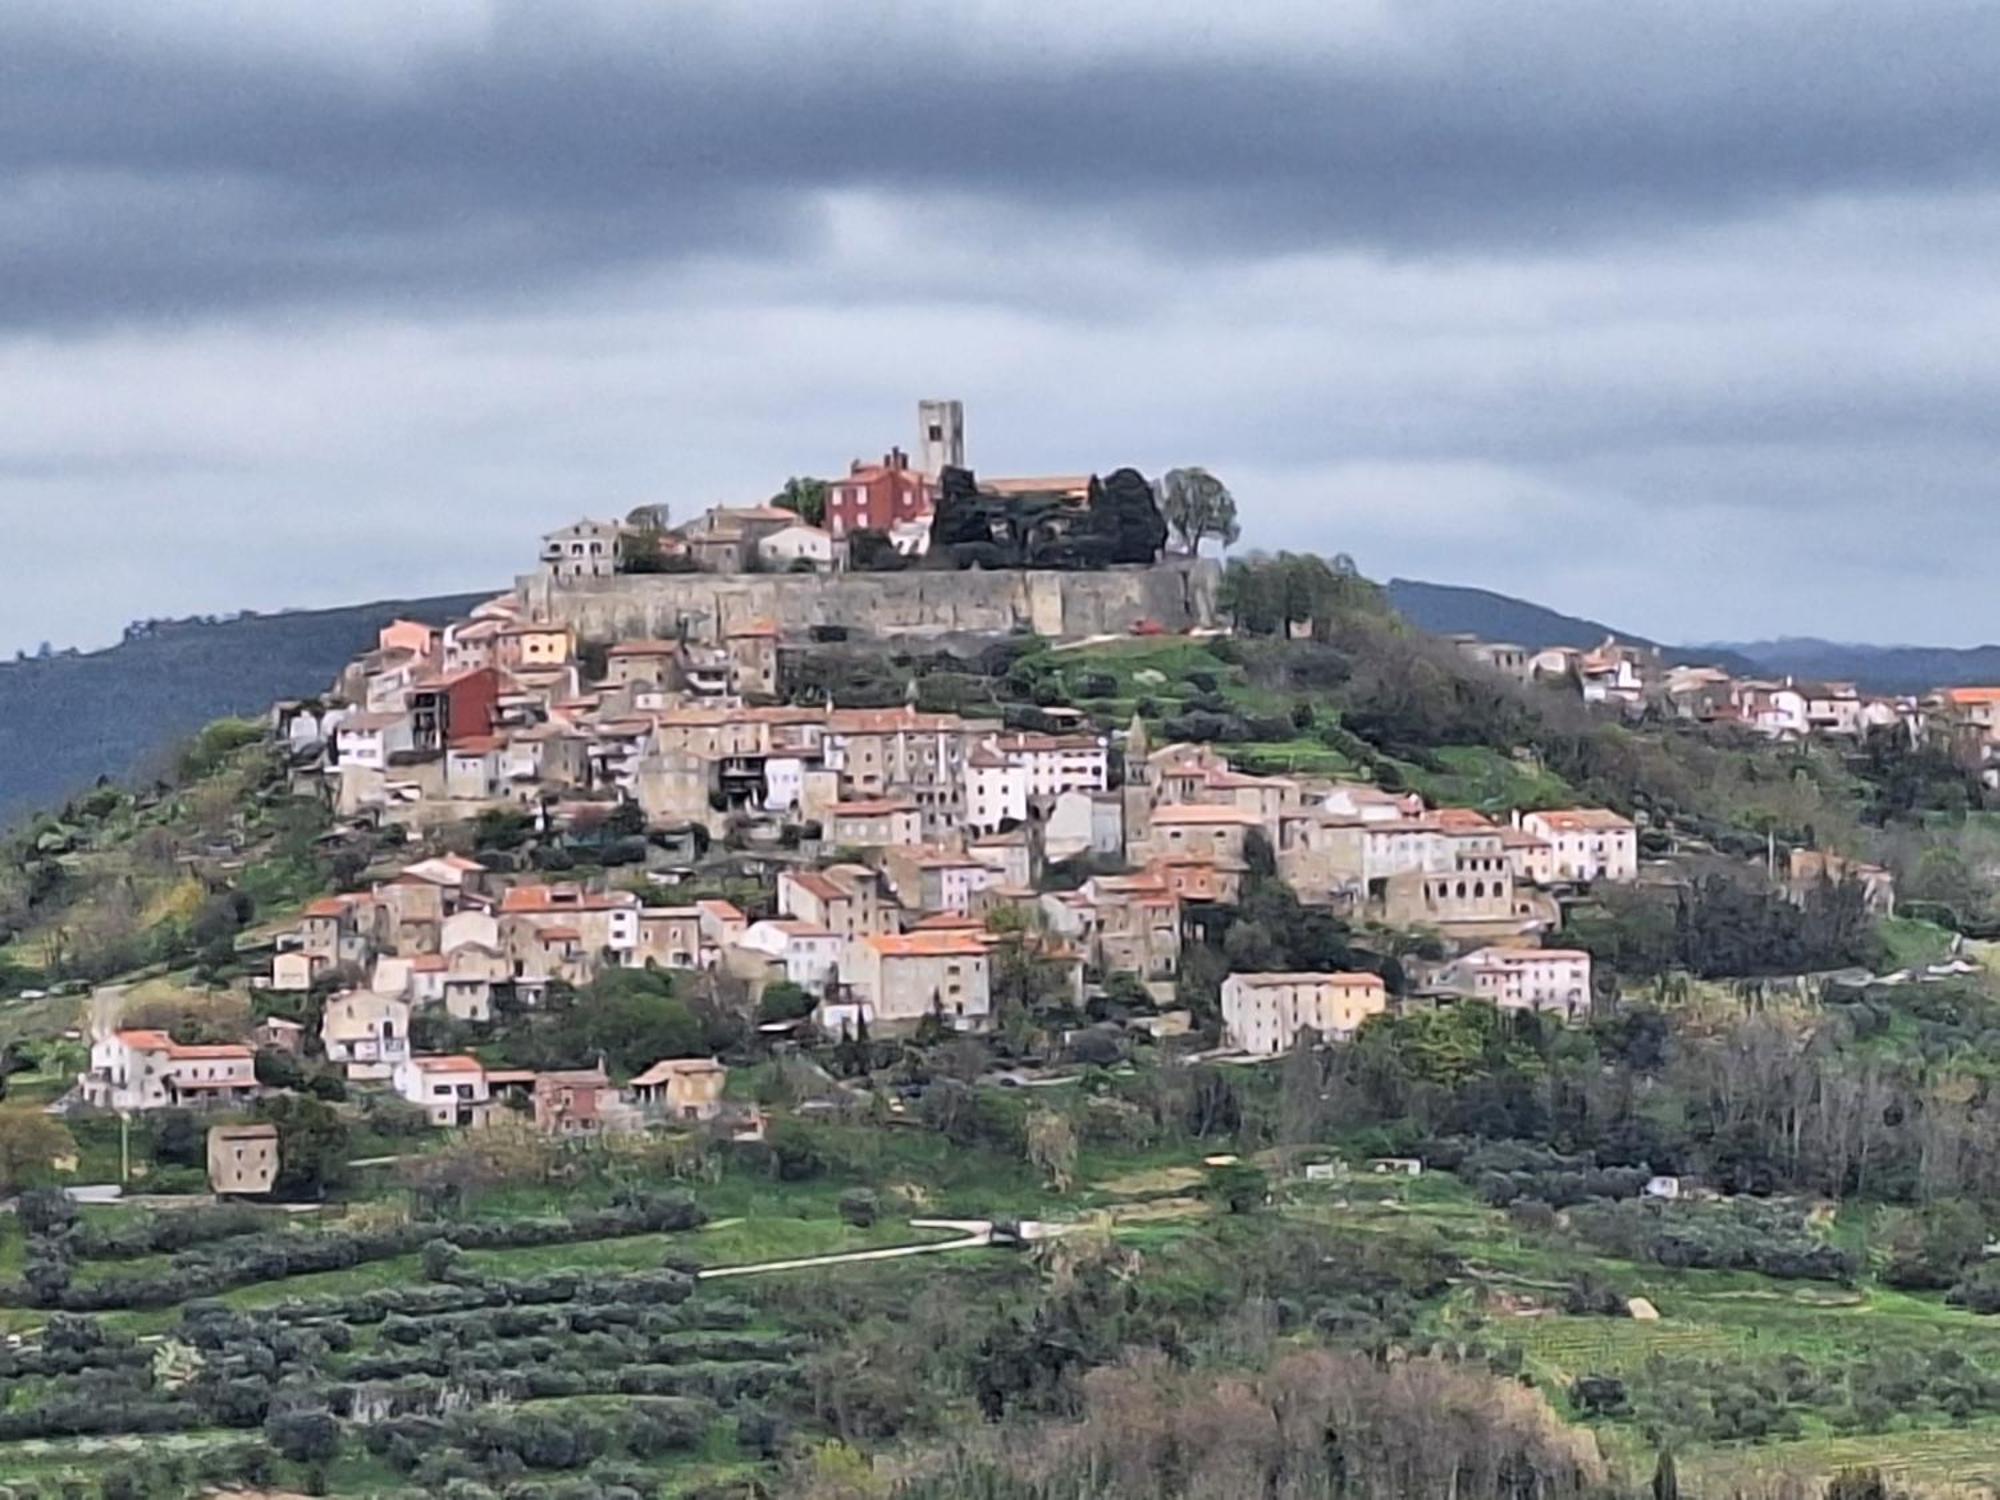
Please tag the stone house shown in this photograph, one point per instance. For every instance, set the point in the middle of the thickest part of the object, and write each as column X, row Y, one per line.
column 582, row 551
column 368, row 1033
column 670, row 938
column 901, row 978
column 873, row 823
column 242, row 1159
column 680, row 1089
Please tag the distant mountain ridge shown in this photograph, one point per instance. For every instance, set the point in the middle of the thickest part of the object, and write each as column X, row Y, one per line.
column 1455, row 609
column 66, row 720
column 1884, row 669
column 1452, row 609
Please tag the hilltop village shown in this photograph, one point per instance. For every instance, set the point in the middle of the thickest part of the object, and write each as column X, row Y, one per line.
column 886, row 861
column 544, row 1050
column 899, row 857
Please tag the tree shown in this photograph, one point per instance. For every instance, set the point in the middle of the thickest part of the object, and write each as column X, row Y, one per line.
column 804, row 498
column 631, row 1018
column 1052, row 1148
column 177, row 1140
column 30, row 1144
column 312, row 1144
column 304, row 1434
column 1198, row 505
column 870, row 551
column 785, row 1001
column 1238, row 1187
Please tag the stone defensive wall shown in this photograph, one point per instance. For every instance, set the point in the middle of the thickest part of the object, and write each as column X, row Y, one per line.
column 1179, row 594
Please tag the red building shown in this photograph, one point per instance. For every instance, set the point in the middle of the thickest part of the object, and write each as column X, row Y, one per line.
column 875, row 497
column 447, row 710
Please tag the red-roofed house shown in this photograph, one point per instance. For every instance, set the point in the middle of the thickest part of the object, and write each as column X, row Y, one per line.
column 899, row 978
column 877, row 497
column 451, row 1090
column 142, row 1070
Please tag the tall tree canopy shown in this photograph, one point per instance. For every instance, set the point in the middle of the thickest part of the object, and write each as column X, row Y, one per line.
column 1198, row 505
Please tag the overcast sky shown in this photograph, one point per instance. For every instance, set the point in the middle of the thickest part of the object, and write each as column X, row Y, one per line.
column 1683, row 315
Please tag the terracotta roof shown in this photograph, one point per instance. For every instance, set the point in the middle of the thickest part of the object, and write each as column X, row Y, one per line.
column 946, row 921
column 456, row 1062
column 952, row 944
column 644, row 648
column 1037, row 484
column 1968, row 697
column 722, row 911
column 330, row 906
column 815, row 884
column 159, row 1041
column 762, row 626
column 1514, row 957
column 1197, row 812
column 673, row 1067
column 551, row 898
column 1582, row 819
column 1356, row 980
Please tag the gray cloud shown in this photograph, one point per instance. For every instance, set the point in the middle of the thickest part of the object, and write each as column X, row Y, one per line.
column 1676, row 315
column 186, row 171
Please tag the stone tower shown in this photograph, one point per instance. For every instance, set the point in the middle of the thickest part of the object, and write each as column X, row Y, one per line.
column 940, row 436
column 1141, row 787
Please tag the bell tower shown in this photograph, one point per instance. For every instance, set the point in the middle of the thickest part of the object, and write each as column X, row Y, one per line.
column 940, row 436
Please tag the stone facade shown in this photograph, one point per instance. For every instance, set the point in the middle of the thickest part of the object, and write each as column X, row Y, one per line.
column 1178, row 594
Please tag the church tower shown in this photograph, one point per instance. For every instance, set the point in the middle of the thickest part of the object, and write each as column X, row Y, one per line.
column 940, row 436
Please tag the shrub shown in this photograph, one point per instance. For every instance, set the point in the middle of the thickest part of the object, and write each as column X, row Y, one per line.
column 860, row 1207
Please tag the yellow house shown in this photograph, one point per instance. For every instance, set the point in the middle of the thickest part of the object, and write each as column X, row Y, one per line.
column 1262, row 1013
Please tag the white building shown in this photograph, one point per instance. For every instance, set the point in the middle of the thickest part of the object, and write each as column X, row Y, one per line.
column 996, row 790
column 1587, row 843
column 368, row 740
column 141, row 1070
column 810, row 953
column 796, row 544
column 452, row 1090
column 1544, row 979
column 1263, row 1013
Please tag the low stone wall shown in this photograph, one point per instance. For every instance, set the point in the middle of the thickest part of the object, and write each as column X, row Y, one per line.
column 1178, row 594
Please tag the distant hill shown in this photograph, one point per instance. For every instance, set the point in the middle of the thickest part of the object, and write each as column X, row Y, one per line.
column 1449, row 609
column 1452, row 609
column 1882, row 669
column 67, row 720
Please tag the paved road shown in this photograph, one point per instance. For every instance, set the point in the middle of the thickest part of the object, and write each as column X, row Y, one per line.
column 974, row 1234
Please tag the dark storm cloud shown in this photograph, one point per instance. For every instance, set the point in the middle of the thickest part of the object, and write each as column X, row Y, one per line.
column 169, row 170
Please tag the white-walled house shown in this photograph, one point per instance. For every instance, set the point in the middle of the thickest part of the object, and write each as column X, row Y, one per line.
column 138, row 1070
column 452, row 1090
column 1544, row 979
column 366, row 741
column 810, row 953
column 1586, row 843
column 797, row 543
